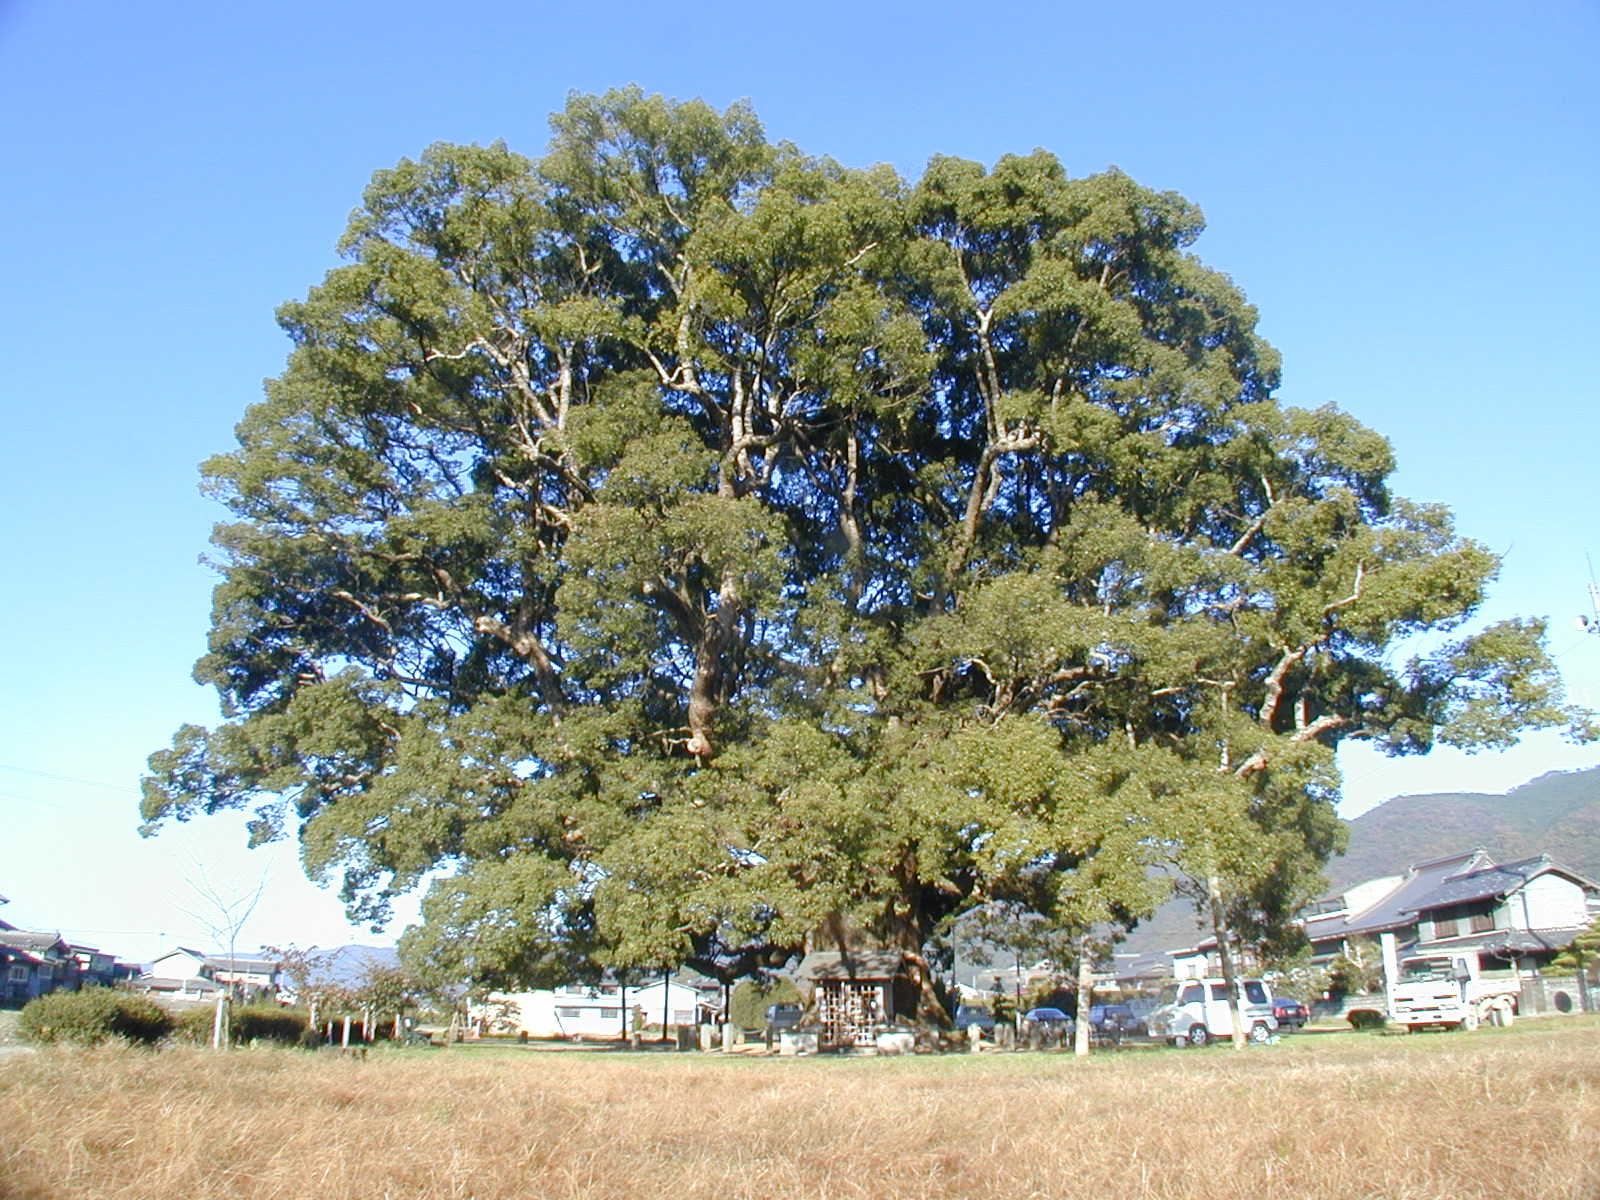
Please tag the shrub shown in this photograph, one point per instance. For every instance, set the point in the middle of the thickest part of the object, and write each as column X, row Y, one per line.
column 751, row 997
column 194, row 1024
column 93, row 1015
column 269, row 1023
column 246, row 1023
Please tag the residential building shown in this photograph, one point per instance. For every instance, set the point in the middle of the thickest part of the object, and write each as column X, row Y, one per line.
column 592, row 1011
column 187, row 975
column 1511, row 915
column 34, row 964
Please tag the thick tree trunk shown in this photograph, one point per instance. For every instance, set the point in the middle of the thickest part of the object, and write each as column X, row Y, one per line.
column 714, row 666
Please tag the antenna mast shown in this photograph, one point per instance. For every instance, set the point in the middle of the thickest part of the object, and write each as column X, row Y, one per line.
column 1591, row 624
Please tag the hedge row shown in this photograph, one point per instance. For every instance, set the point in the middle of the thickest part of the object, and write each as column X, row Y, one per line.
column 92, row 1016
column 97, row 1015
column 251, row 1023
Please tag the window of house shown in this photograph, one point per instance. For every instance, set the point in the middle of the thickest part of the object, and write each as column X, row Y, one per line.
column 681, row 1017
column 1482, row 922
column 613, row 1013
column 1445, row 927
column 19, row 973
column 569, row 1012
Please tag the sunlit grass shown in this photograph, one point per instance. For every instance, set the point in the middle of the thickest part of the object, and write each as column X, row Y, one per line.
column 1502, row 1114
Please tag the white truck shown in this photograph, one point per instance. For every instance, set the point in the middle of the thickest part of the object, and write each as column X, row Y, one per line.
column 1193, row 1012
column 1449, row 991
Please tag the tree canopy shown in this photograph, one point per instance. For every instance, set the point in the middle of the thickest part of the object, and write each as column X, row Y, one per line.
column 675, row 545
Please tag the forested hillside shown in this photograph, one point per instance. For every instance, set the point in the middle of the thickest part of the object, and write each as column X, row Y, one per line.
column 1556, row 814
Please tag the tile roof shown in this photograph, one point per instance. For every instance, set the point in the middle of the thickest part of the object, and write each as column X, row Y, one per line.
column 22, row 939
column 1506, row 941
column 1492, row 882
column 861, row 964
column 1398, row 909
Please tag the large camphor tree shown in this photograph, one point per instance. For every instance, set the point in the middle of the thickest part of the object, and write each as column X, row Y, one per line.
column 677, row 547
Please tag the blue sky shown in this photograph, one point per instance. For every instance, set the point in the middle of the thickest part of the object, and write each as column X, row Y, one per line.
column 1407, row 192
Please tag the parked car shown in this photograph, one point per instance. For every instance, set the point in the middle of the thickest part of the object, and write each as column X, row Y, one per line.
column 1291, row 1013
column 783, row 1016
column 974, row 1014
column 1196, row 1012
column 1113, row 1022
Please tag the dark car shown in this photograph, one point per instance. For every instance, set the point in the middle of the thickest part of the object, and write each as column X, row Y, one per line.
column 974, row 1014
column 1291, row 1013
column 783, row 1016
column 1113, row 1022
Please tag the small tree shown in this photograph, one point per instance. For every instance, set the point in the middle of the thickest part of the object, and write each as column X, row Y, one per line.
column 1581, row 956
column 1359, row 970
column 222, row 910
column 1295, row 973
column 385, row 991
column 748, row 1005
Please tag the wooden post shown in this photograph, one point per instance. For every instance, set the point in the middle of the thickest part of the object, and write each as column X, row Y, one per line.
column 666, row 993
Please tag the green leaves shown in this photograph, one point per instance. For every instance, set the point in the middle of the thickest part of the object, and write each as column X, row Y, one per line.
column 676, row 544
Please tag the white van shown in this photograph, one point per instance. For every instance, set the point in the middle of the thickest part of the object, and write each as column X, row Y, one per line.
column 1192, row 1012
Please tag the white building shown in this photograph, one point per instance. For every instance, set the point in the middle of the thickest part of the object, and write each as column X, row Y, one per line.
column 595, row 1011
column 185, row 974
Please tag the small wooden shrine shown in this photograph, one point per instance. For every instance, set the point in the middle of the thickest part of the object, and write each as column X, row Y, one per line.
column 857, row 993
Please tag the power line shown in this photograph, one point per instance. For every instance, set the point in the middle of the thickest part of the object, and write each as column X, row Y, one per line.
column 110, row 787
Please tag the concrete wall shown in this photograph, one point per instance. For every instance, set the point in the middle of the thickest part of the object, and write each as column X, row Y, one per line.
column 1555, row 996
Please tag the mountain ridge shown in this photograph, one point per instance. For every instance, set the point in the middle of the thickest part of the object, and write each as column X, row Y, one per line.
column 1557, row 813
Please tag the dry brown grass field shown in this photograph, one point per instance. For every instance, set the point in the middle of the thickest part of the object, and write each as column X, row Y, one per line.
column 1499, row 1114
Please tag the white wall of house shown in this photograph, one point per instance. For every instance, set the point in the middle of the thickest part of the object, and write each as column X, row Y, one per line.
column 1548, row 901
column 601, row 1011
column 180, row 964
column 1363, row 896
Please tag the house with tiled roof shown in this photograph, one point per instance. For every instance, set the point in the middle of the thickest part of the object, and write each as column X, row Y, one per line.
column 1519, row 913
column 34, row 964
column 186, row 975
